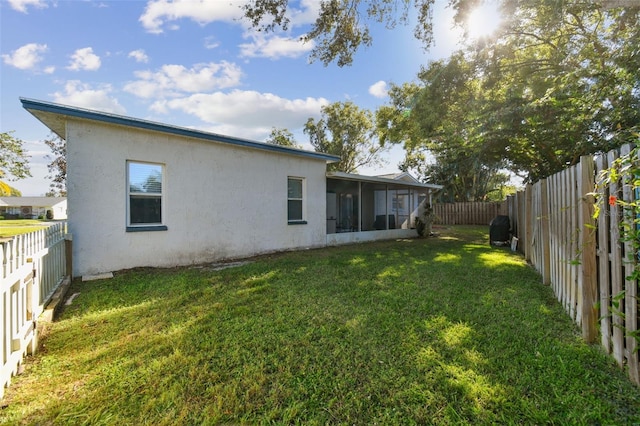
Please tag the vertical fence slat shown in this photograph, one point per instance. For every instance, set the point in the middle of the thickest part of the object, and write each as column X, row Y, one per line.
column 589, row 268
column 603, row 261
column 562, row 220
column 553, row 232
column 615, row 256
column 630, row 286
column 545, row 232
column 576, row 296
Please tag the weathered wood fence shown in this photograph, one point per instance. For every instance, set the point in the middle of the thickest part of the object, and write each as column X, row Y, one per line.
column 584, row 260
column 471, row 213
column 32, row 267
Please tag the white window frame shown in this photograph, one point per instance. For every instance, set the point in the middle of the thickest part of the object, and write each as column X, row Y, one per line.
column 302, row 220
column 155, row 226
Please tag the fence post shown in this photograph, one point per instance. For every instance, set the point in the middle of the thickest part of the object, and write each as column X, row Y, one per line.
column 68, row 252
column 588, row 273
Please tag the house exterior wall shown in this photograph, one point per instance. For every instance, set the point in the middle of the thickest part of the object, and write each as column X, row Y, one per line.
column 30, row 211
column 365, row 237
column 59, row 210
column 219, row 201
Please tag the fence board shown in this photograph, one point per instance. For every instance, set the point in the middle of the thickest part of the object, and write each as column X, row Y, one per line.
column 588, row 282
column 630, row 286
column 604, row 264
column 574, row 248
column 545, row 232
column 616, row 269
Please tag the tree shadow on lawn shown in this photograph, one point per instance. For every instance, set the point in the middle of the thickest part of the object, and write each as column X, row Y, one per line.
column 442, row 330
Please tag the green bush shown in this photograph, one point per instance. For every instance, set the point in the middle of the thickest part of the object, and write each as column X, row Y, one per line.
column 49, row 214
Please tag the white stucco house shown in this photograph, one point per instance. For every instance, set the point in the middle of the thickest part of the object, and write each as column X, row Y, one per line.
column 33, row 207
column 142, row 193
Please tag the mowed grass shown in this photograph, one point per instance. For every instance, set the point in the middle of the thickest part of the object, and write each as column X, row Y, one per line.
column 9, row 228
column 443, row 330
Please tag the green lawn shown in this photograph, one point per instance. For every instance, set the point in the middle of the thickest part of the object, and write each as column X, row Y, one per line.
column 444, row 330
column 9, row 228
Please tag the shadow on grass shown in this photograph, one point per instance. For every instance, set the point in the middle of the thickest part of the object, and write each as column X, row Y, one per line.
column 442, row 330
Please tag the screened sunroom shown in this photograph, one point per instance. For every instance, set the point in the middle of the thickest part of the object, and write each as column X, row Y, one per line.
column 380, row 207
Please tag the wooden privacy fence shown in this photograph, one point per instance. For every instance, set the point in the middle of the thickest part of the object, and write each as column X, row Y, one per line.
column 471, row 213
column 584, row 260
column 32, row 267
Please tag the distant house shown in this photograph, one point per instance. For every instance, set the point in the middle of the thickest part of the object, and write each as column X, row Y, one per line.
column 143, row 193
column 33, row 207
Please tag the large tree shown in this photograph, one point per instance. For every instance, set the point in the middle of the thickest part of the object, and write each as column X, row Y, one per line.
column 282, row 137
column 58, row 166
column 561, row 79
column 14, row 161
column 348, row 132
column 8, row 191
column 343, row 26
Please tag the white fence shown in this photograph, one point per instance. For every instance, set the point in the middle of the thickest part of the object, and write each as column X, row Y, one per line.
column 32, row 267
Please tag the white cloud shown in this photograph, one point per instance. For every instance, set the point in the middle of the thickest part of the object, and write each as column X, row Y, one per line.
column 84, row 95
column 274, row 47
column 26, row 57
column 307, row 13
column 245, row 113
column 21, row 5
column 378, row 89
column 211, row 43
column 173, row 80
column 84, row 59
column 139, row 55
column 160, row 12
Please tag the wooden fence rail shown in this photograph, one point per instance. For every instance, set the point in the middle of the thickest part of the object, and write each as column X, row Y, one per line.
column 32, row 267
column 585, row 262
column 471, row 213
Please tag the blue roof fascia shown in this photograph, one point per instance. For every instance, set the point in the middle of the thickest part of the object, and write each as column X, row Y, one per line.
column 87, row 114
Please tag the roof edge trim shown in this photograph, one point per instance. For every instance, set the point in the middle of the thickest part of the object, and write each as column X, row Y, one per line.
column 376, row 179
column 105, row 117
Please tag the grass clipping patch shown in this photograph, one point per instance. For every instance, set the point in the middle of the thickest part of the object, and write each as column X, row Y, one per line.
column 445, row 330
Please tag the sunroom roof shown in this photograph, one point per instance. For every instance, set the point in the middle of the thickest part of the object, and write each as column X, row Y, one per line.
column 382, row 180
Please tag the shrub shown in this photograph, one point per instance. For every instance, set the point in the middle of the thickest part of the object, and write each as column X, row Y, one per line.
column 425, row 221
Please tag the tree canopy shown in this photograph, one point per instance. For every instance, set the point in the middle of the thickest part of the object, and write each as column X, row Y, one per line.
column 282, row 137
column 8, row 191
column 14, row 161
column 343, row 26
column 348, row 132
column 559, row 80
column 58, row 166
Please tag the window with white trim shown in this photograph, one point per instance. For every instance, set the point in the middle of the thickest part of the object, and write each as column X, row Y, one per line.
column 144, row 196
column 295, row 200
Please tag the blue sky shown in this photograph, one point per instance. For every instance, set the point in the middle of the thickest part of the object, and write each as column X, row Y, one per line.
column 188, row 63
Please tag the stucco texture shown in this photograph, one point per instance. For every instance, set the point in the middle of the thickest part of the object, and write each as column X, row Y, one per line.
column 219, row 201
